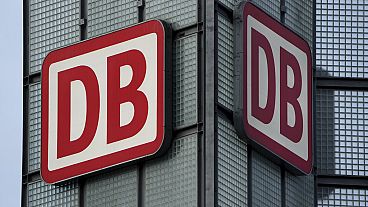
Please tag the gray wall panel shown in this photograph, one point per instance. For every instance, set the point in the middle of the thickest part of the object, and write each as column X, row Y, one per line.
column 42, row 194
column 341, row 130
column 266, row 183
column 341, row 40
column 271, row 7
column 225, row 63
column 232, row 167
column 34, row 127
column 172, row 180
column 117, row 188
column 180, row 13
column 299, row 17
column 339, row 197
column 299, row 190
column 185, row 81
column 53, row 24
column 105, row 16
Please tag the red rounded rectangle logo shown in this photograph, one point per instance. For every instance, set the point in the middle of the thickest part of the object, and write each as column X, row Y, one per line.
column 274, row 87
column 104, row 101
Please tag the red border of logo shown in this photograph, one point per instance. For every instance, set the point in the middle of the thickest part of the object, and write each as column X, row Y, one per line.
column 144, row 150
column 254, row 134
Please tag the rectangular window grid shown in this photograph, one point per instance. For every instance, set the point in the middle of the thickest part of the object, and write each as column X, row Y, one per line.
column 266, row 183
column 342, row 132
column 105, row 16
column 172, row 179
column 118, row 188
column 185, row 81
column 232, row 167
column 52, row 24
column 34, row 127
column 42, row 194
column 180, row 13
column 341, row 40
column 225, row 63
column 339, row 197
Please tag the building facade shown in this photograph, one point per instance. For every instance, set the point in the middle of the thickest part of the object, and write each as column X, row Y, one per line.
column 207, row 163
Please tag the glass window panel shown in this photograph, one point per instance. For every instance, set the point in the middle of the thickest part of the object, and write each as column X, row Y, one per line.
column 42, row 194
column 271, row 7
column 299, row 190
column 299, row 17
column 172, row 179
column 180, row 13
column 341, row 129
column 232, row 167
column 34, row 127
column 266, row 183
column 185, row 81
column 106, row 16
column 52, row 24
column 225, row 63
column 117, row 188
column 339, row 197
column 345, row 31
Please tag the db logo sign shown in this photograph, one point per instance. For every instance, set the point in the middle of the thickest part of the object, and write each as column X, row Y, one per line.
column 274, row 88
column 104, row 101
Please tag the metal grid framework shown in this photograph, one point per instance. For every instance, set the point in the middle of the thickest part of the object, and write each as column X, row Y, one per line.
column 342, row 46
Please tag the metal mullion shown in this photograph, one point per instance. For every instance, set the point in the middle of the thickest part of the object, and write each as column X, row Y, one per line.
column 343, row 181
column 210, row 183
column 342, row 83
